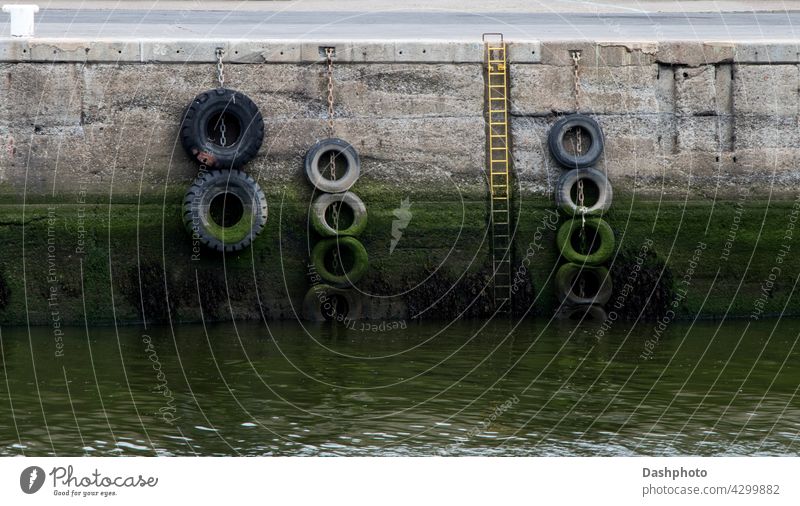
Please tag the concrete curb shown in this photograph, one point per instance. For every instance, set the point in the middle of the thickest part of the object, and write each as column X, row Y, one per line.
column 251, row 51
column 596, row 53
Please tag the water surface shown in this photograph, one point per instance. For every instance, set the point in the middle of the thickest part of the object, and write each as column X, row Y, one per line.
column 467, row 388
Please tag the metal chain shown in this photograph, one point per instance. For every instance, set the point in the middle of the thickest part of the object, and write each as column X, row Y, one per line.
column 582, row 209
column 329, row 54
column 221, row 79
column 222, row 140
column 582, row 288
column 220, row 69
column 576, row 78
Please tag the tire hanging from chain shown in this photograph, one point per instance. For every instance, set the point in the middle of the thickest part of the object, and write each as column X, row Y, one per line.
column 590, row 249
column 322, row 157
column 321, row 170
column 224, row 209
column 222, row 128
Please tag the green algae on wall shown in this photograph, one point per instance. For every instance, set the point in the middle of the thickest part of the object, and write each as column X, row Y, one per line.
column 64, row 263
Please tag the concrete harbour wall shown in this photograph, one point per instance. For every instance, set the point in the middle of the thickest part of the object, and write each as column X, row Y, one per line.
column 88, row 138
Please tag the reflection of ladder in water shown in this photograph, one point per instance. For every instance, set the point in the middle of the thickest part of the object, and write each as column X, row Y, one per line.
column 499, row 171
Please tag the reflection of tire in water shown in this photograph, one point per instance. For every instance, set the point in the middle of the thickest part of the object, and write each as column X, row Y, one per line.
column 582, row 312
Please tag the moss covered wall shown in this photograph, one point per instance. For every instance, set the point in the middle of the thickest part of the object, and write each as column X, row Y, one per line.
column 89, row 152
column 136, row 259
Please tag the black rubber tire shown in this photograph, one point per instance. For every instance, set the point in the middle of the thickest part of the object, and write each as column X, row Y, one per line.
column 555, row 140
column 314, row 171
column 356, row 249
column 317, row 305
column 603, row 233
column 323, row 202
column 584, row 312
column 197, row 209
column 570, row 178
column 194, row 131
column 567, row 276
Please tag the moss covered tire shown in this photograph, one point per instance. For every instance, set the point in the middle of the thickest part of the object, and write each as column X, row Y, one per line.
column 600, row 239
column 555, row 140
column 591, row 312
column 569, row 180
column 225, row 209
column 325, row 303
column 343, row 247
column 201, row 129
column 347, row 164
column 596, row 282
column 350, row 209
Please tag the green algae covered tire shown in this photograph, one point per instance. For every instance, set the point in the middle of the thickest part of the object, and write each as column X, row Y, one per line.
column 325, row 303
column 591, row 312
column 348, row 204
column 347, row 164
column 353, row 257
column 555, row 140
column 569, row 180
column 596, row 282
column 225, row 210
column 600, row 239
column 202, row 135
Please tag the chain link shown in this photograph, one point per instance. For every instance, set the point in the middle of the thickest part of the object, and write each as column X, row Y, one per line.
column 221, row 80
column 222, row 140
column 576, row 78
column 329, row 52
column 220, row 68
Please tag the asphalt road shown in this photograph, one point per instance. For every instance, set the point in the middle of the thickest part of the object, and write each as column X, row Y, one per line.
column 335, row 25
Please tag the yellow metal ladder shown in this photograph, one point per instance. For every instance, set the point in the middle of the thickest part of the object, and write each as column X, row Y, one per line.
column 499, row 170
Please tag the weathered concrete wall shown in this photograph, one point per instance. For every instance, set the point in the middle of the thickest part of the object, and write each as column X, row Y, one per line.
column 677, row 116
column 683, row 123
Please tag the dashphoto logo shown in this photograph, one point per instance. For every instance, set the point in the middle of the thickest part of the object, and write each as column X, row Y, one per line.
column 402, row 218
column 31, row 479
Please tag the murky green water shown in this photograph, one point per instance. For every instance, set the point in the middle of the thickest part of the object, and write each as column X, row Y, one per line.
column 543, row 389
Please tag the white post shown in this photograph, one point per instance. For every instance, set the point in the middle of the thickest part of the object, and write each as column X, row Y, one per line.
column 21, row 19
